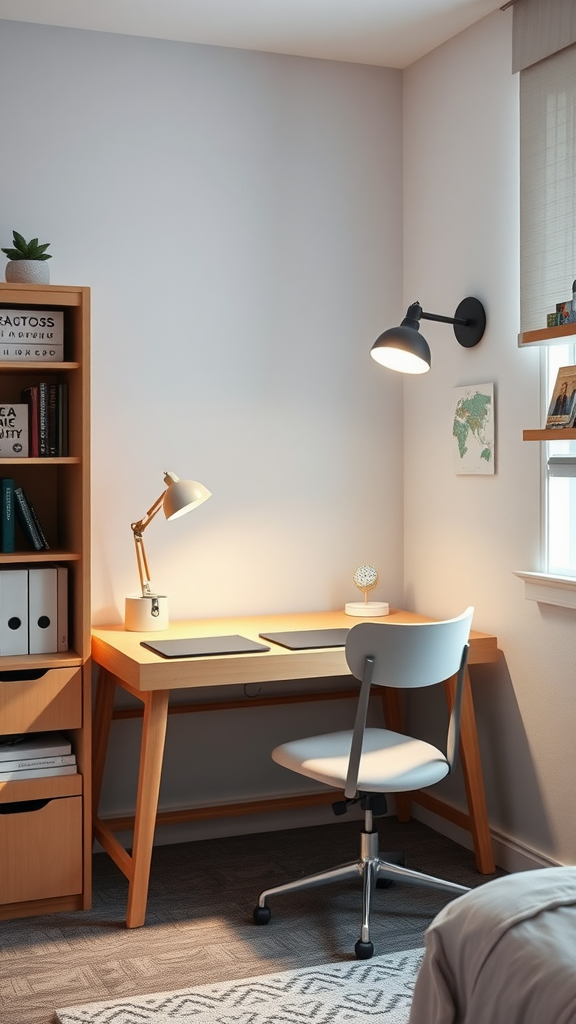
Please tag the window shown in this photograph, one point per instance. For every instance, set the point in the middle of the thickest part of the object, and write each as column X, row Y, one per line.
column 560, row 513
column 548, row 261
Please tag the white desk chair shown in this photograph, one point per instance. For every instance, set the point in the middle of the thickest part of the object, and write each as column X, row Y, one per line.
column 367, row 763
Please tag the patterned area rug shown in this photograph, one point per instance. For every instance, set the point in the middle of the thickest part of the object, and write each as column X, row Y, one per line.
column 350, row 993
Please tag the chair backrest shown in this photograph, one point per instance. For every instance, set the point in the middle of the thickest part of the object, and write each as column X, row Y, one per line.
column 409, row 654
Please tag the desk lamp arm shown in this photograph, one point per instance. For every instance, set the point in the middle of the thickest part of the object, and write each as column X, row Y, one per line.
column 137, row 530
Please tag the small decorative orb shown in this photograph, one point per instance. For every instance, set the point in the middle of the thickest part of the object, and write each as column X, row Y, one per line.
column 365, row 577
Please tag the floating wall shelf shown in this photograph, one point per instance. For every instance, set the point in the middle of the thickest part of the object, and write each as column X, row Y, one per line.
column 550, row 434
column 546, row 335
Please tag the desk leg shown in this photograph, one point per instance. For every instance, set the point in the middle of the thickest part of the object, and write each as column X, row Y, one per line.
column 394, row 719
column 473, row 778
column 151, row 755
column 102, row 719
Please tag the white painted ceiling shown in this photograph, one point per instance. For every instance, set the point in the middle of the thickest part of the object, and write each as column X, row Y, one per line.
column 391, row 33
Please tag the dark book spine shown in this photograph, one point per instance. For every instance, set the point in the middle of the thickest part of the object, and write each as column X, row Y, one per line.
column 30, row 396
column 25, row 519
column 63, row 448
column 38, row 526
column 8, row 514
column 53, row 420
column 43, row 398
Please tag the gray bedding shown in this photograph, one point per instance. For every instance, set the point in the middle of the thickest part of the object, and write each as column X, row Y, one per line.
column 504, row 953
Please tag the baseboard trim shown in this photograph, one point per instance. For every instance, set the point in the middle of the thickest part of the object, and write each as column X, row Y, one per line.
column 509, row 854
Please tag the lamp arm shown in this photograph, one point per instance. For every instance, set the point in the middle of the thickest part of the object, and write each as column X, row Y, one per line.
column 445, row 319
column 137, row 530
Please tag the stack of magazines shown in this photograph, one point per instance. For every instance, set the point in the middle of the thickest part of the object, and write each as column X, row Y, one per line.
column 35, row 756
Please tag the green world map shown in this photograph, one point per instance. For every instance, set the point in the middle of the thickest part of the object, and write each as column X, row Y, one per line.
column 471, row 417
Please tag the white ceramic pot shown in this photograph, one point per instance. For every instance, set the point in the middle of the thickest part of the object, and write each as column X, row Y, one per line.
column 27, row 272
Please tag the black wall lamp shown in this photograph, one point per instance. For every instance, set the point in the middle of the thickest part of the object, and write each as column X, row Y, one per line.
column 403, row 348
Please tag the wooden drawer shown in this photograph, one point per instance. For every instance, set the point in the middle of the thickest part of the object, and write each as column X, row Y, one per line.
column 40, row 849
column 51, row 701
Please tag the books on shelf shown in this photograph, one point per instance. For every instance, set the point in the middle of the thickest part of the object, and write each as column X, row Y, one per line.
column 35, row 756
column 7, row 516
column 30, row 396
column 25, row 763
column 34, row 744
column 37, row 773
column 47, row 419
column 34, row 610
column 29, row 522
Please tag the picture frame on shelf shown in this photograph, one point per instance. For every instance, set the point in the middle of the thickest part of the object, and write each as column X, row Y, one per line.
column 562, row 408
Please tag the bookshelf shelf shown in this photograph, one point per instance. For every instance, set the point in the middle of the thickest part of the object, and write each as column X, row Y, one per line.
column 26, row 366
column 68, row 460
column 52, row 555
column 52, row 689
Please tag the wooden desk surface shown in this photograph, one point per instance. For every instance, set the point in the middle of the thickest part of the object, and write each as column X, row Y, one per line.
column 120, row 652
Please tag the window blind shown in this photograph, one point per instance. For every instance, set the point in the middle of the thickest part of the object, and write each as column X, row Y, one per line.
column 541, row 28
column 547, row 186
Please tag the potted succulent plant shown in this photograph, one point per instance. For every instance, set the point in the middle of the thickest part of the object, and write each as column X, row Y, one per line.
column 27, row 261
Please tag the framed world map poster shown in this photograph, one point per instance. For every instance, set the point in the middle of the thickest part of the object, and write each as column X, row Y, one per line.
column 473, row 429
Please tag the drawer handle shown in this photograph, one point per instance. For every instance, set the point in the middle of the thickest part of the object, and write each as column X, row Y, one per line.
column 23, row 806
column 21, row 675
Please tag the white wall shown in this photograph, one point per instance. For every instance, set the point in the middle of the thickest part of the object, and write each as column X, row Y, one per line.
column 238, row 218
column 464, row 536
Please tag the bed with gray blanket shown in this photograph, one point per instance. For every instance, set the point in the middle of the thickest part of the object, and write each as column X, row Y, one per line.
column 504, row 953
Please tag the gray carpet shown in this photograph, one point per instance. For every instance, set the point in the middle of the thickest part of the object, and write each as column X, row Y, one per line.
column 199, row 927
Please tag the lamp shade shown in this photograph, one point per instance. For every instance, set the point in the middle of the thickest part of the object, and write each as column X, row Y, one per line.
column 182, row 496
column 403, row 348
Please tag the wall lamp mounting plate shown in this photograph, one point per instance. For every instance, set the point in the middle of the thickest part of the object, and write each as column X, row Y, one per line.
column 472, row 311
column 403, row 348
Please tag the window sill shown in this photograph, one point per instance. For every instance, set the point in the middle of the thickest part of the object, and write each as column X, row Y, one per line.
column 541, row 586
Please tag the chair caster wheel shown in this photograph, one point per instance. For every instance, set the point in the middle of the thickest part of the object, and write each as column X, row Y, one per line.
column 364, row 950
column 262, row 915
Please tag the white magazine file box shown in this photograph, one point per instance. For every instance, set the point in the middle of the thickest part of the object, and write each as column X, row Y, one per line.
column 13, row 611
column 43, row 610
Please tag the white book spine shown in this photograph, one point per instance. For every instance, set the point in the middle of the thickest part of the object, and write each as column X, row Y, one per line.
column 43, row 610
column 37, row 773
column 37, row 762
column 13, row 611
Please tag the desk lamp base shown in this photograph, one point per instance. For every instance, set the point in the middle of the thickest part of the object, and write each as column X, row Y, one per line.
column 146, row 614
column 367, row 609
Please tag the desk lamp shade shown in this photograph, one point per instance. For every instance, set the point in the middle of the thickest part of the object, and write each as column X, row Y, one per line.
column 182, row 496
column 149, row 611
column 404, row 349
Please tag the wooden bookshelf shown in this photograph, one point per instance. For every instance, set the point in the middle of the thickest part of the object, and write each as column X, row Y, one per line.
column 44, row 871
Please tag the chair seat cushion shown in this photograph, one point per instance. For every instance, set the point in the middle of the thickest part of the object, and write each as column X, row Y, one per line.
column 390, row 763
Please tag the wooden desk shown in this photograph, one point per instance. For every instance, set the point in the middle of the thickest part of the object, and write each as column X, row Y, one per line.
column 150, row 678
